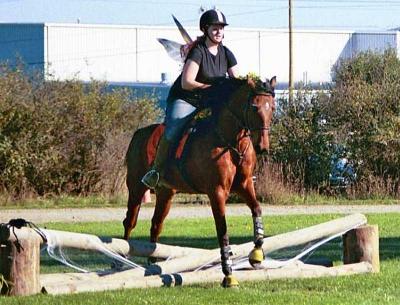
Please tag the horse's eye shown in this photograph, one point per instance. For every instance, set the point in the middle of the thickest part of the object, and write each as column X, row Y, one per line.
column 254, row 108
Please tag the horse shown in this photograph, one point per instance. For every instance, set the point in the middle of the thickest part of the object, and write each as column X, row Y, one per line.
column 216, row 159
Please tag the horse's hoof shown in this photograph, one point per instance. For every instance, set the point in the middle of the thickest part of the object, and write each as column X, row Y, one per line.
column 229, row 281
column 256, row 257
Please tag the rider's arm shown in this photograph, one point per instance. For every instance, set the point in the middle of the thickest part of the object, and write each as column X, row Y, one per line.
column 233, row 71
column 189, row 73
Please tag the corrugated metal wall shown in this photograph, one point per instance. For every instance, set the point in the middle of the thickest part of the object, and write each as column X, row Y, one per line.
column 91, row 52
column 132, row 54
column 22, row 42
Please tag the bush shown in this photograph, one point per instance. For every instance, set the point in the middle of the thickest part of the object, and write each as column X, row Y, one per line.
column 358, row 118
column 64, row 136
column 301, row 140
column 364, row 114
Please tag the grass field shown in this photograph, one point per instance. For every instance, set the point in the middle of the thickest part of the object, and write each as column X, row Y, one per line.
column 382, row 288
column 120, row 201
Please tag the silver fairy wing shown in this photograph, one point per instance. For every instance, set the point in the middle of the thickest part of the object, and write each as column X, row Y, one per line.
column 173, row 48
column 182, row 30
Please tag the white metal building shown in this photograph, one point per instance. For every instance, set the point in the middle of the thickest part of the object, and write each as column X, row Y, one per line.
column 126, row 53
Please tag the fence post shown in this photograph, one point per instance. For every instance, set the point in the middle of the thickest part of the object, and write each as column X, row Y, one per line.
column 362, row 245
column 19, row 262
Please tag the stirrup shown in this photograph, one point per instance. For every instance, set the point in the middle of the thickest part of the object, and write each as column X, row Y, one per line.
column 151, row 179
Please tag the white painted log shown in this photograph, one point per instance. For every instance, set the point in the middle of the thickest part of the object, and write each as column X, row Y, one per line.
column 139, row 248
column 92, row 242
column 302, row 236
column 212, row 276
column 121, row 246
column 273, row 243
column 195, row 259
column 67, row 278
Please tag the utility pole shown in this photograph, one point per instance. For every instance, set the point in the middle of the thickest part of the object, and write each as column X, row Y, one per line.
column 291, row 83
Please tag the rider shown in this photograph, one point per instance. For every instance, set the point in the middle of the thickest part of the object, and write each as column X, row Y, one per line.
column 207, row 59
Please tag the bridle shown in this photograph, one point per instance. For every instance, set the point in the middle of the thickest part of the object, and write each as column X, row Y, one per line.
column 244, row 124
column 250, row 105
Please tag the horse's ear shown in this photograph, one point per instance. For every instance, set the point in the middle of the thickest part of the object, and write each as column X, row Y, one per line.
column 272, row 82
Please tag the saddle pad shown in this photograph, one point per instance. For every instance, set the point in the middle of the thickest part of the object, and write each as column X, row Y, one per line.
column 154, row 139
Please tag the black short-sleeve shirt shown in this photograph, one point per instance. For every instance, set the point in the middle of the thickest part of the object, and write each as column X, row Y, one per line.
column 210, row 67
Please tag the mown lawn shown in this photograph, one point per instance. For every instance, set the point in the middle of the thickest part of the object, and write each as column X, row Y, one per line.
column 120, row 201
column 382, row 288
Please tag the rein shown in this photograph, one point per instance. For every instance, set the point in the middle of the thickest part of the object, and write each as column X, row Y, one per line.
column 233, row 148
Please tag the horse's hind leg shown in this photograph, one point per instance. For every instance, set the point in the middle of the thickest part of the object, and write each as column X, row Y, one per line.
column 136, row 192
column 163, row 205
column 247, row 193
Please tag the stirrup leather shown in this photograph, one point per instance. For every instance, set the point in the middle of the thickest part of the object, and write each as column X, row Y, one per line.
column 151, row 178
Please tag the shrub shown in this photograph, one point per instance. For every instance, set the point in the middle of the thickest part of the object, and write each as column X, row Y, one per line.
column 364, row 114
column 301, row 140
column 357, row 118
column 65, row 136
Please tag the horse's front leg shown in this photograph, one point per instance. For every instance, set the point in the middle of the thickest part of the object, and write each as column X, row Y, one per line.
column 217, row 201
column 247, row 192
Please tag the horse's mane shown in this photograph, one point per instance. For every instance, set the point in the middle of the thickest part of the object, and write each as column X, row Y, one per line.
column 222, row 89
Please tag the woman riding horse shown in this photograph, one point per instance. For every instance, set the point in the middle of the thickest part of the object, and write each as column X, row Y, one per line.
column 208, row 59
column 216, row 160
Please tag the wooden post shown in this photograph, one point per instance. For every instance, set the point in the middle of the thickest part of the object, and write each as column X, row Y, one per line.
column 19, row 263
column 362, row 245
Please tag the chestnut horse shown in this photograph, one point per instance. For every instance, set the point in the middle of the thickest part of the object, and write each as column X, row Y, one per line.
column 216, row 159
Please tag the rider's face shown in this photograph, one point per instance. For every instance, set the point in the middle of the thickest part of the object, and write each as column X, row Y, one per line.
column 216, row 32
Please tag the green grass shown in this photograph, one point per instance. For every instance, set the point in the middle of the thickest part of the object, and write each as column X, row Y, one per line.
column 87, row 202
column 120, row 201
column 382, row 288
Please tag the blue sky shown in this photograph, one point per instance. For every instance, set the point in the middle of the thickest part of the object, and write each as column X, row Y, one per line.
column 322, row 14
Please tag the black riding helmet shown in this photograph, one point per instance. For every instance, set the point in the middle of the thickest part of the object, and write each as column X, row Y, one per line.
column 212, row 17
